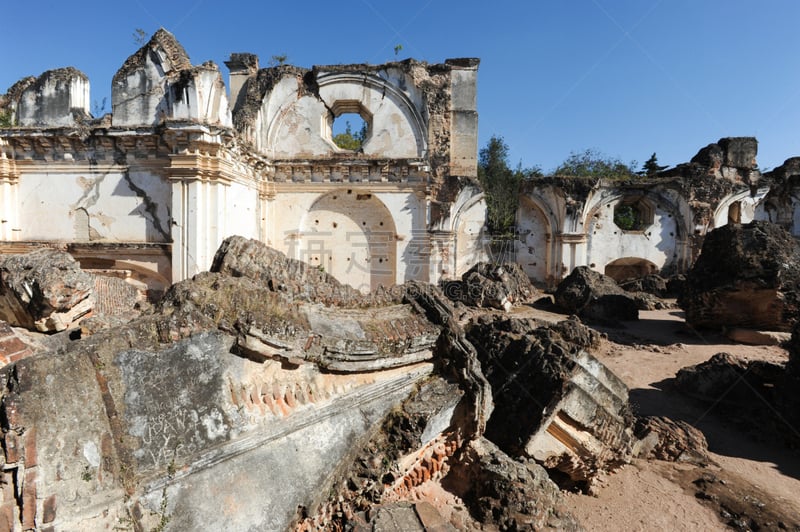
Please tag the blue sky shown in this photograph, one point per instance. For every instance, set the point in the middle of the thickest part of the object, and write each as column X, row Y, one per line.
column 626, row 77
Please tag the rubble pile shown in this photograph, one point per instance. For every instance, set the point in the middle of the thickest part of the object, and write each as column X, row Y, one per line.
column 489, row 285
column 506, row 493
column 661, row 438
column 759, row 396
column 746, row 276
column 220, row 387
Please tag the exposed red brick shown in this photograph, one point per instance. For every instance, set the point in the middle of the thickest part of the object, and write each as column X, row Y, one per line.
column 49, row 509
column 13, row 345
column 7, row 515
column 31, row 458
column 29, row 500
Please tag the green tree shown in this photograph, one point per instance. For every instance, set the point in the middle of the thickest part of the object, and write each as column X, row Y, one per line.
column 592, row 163
column 501, row 185
column 651, row 168
column 349, row 140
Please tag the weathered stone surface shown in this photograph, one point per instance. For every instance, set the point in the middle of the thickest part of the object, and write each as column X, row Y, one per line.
column 498, row 286
column 413, row 446
column 753, row 337
column 594, row 296
column 44, row 290
column 457, row 356
column 554, row 401
column 508, row 494
column 728, row 380
column 651, row 284
column 662, row 438
column 736, row 152
column 268, row 325
column 299, row 281
column 172, row 423
column 159, row 83
column 747, row 276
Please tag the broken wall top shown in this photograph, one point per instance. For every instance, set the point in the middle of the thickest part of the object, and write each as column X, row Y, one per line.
column 413, row 111
column 731, row 158
column 57, row 98
column 159, row 83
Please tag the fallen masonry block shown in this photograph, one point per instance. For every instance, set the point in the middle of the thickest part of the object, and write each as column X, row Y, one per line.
column 499, row 286
column 44, row 290
column 554, row 402
column 594, row 296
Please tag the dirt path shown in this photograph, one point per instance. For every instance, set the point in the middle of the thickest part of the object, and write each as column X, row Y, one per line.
column 661, row 496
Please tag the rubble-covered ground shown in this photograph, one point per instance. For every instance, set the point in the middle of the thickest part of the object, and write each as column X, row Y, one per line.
column 518, row 417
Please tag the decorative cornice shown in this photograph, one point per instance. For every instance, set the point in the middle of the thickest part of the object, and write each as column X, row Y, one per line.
column 351, row 171
column 284, row 188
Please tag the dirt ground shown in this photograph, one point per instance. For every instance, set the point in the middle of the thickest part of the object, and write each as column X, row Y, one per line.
column 748, row 467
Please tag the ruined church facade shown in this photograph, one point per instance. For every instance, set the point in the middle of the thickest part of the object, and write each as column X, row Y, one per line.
column 149, row 191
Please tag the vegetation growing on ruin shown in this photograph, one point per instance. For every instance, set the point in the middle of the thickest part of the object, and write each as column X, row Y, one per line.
column 651, row 168
column 593, row 163
column 627, row 218
column 6, row 118
column 501, row 185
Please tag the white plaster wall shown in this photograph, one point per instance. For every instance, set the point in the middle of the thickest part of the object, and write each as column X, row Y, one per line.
column 471, row 244
column 297, row 130
column 286, row 214
column 53, row 105
column 607, row 242
column 350, row 234
column 121, row 207
column 283, row 94
column 9, row 211
column 532, row 231
column 390, row 226
column 291, row 127
column 748, row 207
column 138, row 98
column 404, row 83
column 241, row 211
column 392, row 134
column 409, row 212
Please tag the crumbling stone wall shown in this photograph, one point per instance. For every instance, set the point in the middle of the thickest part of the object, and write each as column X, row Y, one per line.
column 567, row 222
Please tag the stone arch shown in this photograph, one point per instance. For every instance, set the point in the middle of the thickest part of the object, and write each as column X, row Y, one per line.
column 535, row 238
column 743, row 203
column 351, row 235
column 629, row 268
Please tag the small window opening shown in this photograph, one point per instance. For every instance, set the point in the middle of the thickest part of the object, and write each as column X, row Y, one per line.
column 349, row 131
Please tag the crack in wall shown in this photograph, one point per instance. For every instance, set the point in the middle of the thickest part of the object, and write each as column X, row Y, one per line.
column 150, row 207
